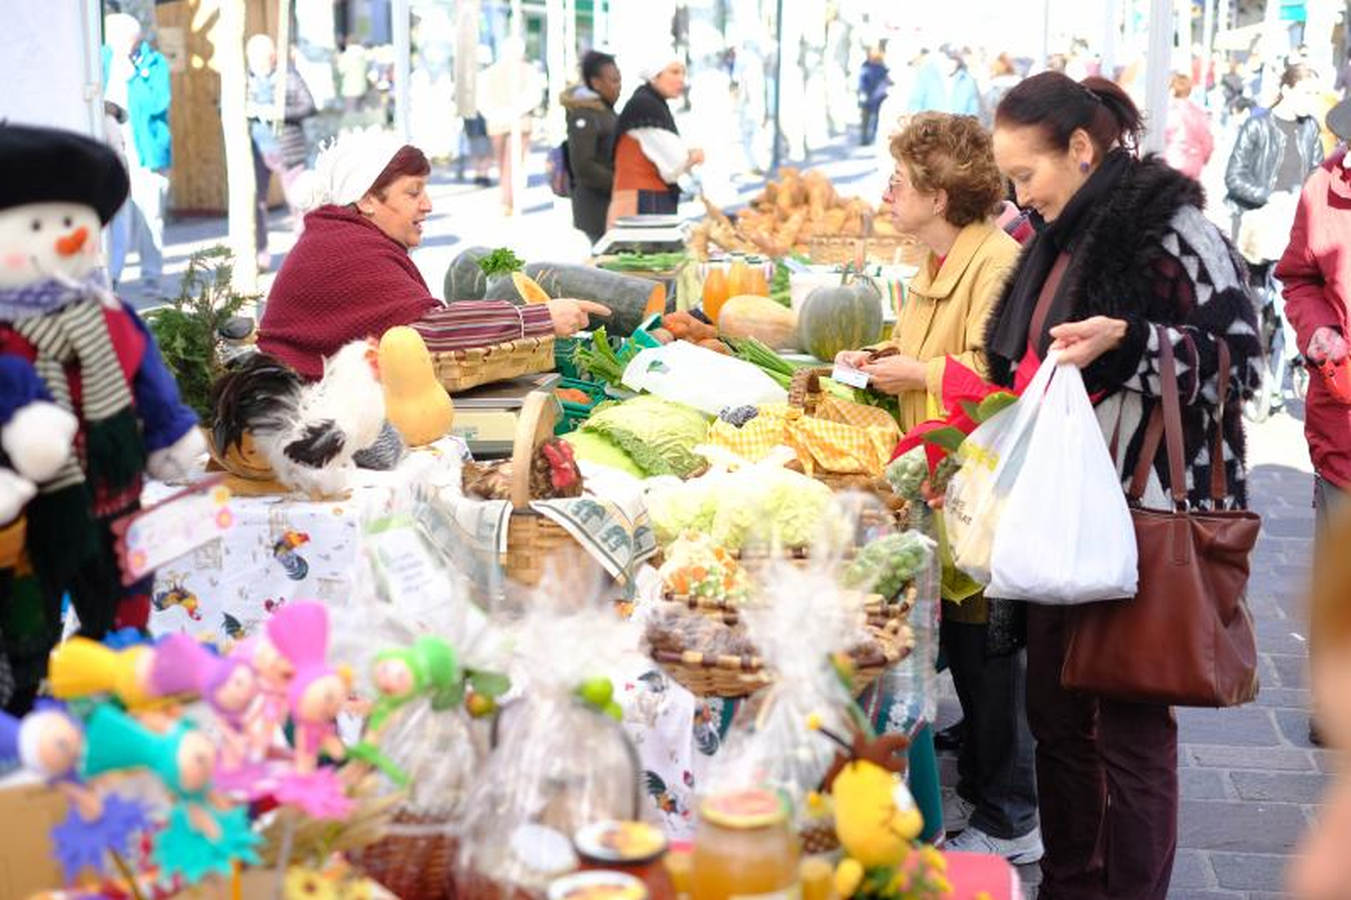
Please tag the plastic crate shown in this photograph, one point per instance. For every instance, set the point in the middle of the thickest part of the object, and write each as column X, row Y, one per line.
column 564, row 347
column 574, row 414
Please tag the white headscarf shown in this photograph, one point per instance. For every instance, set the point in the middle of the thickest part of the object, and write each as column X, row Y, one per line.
column 654, row 64
column 348, row 166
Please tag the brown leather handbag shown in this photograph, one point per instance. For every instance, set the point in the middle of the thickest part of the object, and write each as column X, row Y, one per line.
column 1186, row 639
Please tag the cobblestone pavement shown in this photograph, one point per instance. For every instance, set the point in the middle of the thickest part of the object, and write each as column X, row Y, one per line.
column 1250, row 779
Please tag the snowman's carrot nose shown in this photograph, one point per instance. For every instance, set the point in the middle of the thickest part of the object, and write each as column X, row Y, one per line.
column 72, row 243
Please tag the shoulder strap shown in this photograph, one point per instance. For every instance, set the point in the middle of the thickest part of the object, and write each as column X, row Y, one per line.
column 1219, row 475
column 1165, row 424
column 1046, row 298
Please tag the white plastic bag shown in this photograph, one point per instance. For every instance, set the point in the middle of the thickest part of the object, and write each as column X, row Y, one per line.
column 710, row 382
column 1065, row 534
column 990, row 458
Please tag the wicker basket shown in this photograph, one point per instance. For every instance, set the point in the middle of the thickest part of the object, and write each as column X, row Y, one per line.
column 706, row 675
column 415, row 859
column 804, row 392
column 460, row 370
column 881, row 249
column 532, row 539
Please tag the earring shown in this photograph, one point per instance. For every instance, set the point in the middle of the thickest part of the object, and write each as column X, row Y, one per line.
column 1083, row 167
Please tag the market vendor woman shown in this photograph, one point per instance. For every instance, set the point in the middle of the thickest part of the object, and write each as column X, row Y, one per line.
column 945, row 191
column 350, row 275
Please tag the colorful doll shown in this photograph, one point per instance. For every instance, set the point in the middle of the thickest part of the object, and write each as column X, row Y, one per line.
column 199, row 838
column 95, row 359
column 430, row 667
column 227, row 685
column 80, row 668
column 274, row 673
column 49, row 743
column 299, row 632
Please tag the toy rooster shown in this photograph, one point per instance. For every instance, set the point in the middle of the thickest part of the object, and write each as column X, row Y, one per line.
column 307, row 433
column 553, row 474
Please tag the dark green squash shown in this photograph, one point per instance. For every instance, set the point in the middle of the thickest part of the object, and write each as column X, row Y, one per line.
column 630, row 299
column 464, row 279
column 846, row 316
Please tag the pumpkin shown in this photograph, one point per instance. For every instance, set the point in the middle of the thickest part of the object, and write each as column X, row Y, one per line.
column 753, row 316
column 529, row 289
column 415, row 403
column 839, row 317
column 464, row 279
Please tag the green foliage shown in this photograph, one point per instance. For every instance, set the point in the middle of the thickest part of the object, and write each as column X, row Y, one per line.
column 501, row 261
column 186, row 329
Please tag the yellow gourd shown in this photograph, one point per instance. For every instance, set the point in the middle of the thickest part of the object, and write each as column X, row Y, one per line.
column 529, row 289
column 415, row 402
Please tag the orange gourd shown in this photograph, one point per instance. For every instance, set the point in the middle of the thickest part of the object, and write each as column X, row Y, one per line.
column 415, row 402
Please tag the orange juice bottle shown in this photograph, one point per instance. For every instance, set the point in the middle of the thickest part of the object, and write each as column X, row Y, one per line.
column 715, row 292
column 738, row 278
column 757, row 283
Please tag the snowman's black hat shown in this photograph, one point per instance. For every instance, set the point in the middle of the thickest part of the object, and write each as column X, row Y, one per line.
column 39, row 165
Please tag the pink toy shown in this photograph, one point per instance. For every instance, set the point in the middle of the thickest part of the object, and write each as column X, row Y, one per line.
column 299, row 632
column 227, row 684
column 274, row 673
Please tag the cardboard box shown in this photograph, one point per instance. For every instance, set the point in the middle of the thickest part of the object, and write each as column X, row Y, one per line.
column 28, row 812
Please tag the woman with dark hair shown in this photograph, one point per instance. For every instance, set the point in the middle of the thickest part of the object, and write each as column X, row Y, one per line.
column 1122, row 248
column 350, row 275
column 649, row 152
column 591, row 116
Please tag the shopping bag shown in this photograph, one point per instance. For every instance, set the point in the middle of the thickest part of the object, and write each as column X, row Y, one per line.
column 710, row 382
column 1065, row 534
column 990, row 458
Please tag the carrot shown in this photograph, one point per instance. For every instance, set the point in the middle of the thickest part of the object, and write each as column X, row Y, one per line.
column 573, row 395
column 716, row 346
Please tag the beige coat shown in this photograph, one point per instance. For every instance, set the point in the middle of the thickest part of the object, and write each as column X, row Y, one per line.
column 945, row 308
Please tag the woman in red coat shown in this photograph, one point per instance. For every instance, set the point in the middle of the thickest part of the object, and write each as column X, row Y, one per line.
column 350, row 275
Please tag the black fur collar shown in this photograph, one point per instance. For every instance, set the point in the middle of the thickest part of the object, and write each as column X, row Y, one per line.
column 1115, row 248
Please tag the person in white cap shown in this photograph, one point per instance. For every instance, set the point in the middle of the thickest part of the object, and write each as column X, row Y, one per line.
column 649, row 152
column 350, row 275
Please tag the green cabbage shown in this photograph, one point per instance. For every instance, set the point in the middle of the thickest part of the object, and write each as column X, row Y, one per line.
column 602, row 451
column 659, row 435
column 761, row 505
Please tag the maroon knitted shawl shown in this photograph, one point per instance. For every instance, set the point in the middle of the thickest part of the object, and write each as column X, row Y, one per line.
column 344, row 280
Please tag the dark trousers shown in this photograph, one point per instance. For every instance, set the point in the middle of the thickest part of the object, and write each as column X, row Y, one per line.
column 262, row 183
column 995, row 767
column 1107, row 778
column 868, row 114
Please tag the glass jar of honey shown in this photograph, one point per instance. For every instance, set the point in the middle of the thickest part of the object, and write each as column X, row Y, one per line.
column 745, row 849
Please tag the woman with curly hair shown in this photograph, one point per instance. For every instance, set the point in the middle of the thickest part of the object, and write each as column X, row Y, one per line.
column 945, row 192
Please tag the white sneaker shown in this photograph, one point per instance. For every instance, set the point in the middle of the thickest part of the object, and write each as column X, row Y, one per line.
column 1019, row 851
column 956, row 811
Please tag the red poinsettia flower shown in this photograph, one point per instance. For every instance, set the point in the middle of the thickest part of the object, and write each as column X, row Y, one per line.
column 969, row 399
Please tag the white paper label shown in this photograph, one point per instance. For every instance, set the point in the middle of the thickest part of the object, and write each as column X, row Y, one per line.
column 174, row 528
column 850, row 376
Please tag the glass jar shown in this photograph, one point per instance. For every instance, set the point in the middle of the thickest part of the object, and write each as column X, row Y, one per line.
column 635, row 848
column 744, row 848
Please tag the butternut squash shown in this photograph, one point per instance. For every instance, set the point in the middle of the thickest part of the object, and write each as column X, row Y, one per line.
column 415, row 403
column 529, row 289
column 751, row 315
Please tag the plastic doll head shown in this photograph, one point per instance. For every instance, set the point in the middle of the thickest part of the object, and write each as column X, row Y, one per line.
column 321, row 699
column 430, row 665
column 49, row 743
column 233, row 687
column 393, row 674
column 80, row 667
column 299, row 631
column 196, row 759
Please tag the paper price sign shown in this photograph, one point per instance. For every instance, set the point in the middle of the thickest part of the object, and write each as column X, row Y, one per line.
column 172, row 528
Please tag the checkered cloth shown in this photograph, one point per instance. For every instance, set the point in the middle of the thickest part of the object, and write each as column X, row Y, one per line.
column 843, row 438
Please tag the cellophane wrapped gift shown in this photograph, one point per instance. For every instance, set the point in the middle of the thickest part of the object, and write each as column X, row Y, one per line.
column 561, row 760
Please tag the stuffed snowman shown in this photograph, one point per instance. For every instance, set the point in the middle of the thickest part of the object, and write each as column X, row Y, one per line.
column 76, row 362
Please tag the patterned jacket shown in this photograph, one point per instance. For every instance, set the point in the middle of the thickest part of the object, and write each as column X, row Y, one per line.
column 1149, row 256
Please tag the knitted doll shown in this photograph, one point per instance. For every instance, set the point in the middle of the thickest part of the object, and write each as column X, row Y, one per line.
column 95, row 359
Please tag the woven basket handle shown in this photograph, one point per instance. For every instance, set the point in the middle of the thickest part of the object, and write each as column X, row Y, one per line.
column 534, row 427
